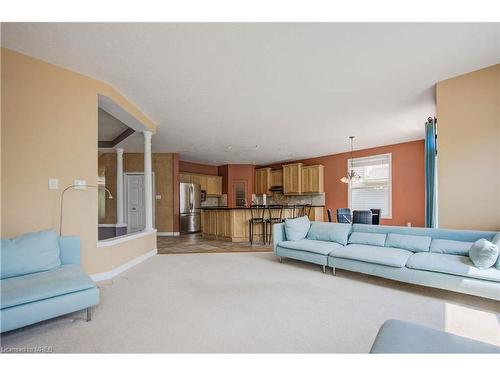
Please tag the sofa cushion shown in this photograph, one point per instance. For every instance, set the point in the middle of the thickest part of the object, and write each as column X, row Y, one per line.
column 373, row 254
column 311, row 246
column 483, row 254
column 362, row 238
column 43, row 285
column 451, row 264
column 29, row 253
column 296, row 229
column 450, row 247
column 408, row 242
column 335, row 232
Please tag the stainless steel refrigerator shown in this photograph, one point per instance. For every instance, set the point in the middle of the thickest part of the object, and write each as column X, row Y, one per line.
column 190, row 207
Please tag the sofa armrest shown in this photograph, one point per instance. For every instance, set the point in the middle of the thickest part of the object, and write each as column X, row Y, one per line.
column 70, row 250
column 278, row 235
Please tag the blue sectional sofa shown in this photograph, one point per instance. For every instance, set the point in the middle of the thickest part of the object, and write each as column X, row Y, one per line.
column 431, row 257
column 41, row 278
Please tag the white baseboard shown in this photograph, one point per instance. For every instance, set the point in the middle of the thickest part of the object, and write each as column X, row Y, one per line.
column 116, row 271
column 171, row 234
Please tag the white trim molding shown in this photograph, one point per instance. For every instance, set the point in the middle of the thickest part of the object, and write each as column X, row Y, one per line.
column 111, row 225
column 127, row 237
column 170, row 234
column 116, row 271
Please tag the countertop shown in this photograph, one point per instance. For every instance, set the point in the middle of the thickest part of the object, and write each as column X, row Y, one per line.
column 247, row 208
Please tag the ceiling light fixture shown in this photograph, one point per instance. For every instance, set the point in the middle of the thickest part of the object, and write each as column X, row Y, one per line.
column 352, row 175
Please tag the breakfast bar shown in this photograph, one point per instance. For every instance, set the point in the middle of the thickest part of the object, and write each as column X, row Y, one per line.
column 231, row 224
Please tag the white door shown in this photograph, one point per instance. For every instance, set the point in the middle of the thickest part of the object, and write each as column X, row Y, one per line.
column 135, row 202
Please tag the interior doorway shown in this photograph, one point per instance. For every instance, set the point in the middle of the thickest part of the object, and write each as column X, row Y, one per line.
column 134, row 205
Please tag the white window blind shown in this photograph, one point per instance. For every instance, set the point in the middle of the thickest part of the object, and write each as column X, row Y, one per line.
column 374, row 189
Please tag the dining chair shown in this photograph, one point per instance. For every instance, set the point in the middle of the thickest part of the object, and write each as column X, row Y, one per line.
column 344, row 215
column 376, row 215
column 362, row 217
column 330, row 215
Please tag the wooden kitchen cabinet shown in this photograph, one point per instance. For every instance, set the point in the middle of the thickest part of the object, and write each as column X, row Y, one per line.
column 262, row 181
column 312, row 179
column 277, row 177
column 200, row 180
column 211, row 184
column 292, row 178
column 214, row 185
column 186, row 178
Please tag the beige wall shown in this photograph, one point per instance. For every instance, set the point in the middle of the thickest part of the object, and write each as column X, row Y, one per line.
column 49, row 129
column 468, row 111
column 163, row 168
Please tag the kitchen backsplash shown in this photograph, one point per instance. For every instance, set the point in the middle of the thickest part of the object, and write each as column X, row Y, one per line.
column 215, row 201
column 278, row 198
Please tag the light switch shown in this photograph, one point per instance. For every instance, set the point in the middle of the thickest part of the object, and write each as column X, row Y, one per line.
column 80, row 184
column 53, row 183
column 158, row 197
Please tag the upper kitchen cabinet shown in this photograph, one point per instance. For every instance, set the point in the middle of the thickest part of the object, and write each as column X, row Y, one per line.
column 262, row 181
column 312, row 179
column 214, row 185
column 277, row 177
column 185, row 178
column 211, row 184
column 200, row 180
column 292, row 178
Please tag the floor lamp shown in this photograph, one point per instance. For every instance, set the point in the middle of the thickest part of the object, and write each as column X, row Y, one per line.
column 77, row 187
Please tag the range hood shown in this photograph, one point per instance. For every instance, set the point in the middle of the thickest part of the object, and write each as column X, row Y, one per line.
column 276, row 188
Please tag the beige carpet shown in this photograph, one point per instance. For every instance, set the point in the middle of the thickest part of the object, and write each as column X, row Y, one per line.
column 249, row 302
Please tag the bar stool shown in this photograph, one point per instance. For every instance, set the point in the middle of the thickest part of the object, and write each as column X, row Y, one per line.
column 298, row 210
column 257, row 217
column 275, row 216
column 306, row 210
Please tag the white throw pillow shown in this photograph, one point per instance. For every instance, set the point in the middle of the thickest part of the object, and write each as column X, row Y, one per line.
column 483, row 254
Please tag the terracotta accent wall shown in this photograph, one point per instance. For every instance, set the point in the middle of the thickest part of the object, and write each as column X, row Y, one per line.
column 408, row 180
column 49, row 130
column 163, row 165
column 236, row 172
column 468, row 113
column 188, row 167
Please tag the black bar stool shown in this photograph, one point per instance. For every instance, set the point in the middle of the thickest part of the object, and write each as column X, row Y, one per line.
column 298, row 210
column 275, row 216
column 306, row 210
column 257, row 217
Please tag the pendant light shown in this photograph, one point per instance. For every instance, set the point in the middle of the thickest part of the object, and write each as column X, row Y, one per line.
column 352, row 175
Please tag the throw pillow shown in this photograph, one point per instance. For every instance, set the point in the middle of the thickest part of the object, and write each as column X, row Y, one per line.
column 483, row 254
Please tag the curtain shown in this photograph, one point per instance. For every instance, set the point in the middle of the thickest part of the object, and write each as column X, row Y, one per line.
column 430, row 173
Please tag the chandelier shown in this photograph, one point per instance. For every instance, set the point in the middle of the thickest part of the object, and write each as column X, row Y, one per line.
column 351, row 175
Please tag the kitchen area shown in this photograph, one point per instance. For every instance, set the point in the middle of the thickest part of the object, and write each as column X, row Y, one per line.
column 218, row 206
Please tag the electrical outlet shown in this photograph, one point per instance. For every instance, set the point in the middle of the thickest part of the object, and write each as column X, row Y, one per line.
column 80, row 184
column 53, row 183
column 158, row 197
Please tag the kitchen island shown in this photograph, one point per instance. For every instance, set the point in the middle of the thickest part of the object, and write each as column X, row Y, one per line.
column 231, row 224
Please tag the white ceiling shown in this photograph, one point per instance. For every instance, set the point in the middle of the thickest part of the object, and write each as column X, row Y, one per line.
column 256, row 92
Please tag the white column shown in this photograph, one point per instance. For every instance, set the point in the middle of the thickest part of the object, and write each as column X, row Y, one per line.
column 148, row 178
column 119, row 187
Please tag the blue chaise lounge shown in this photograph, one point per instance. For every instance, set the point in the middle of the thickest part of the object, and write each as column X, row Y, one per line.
column 41, row 278
column 436, row 258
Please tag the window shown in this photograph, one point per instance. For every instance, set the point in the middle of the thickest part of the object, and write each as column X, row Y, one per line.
column 374, row 189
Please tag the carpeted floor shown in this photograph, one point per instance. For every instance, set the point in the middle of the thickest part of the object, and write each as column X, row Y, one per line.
column 249, row 302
